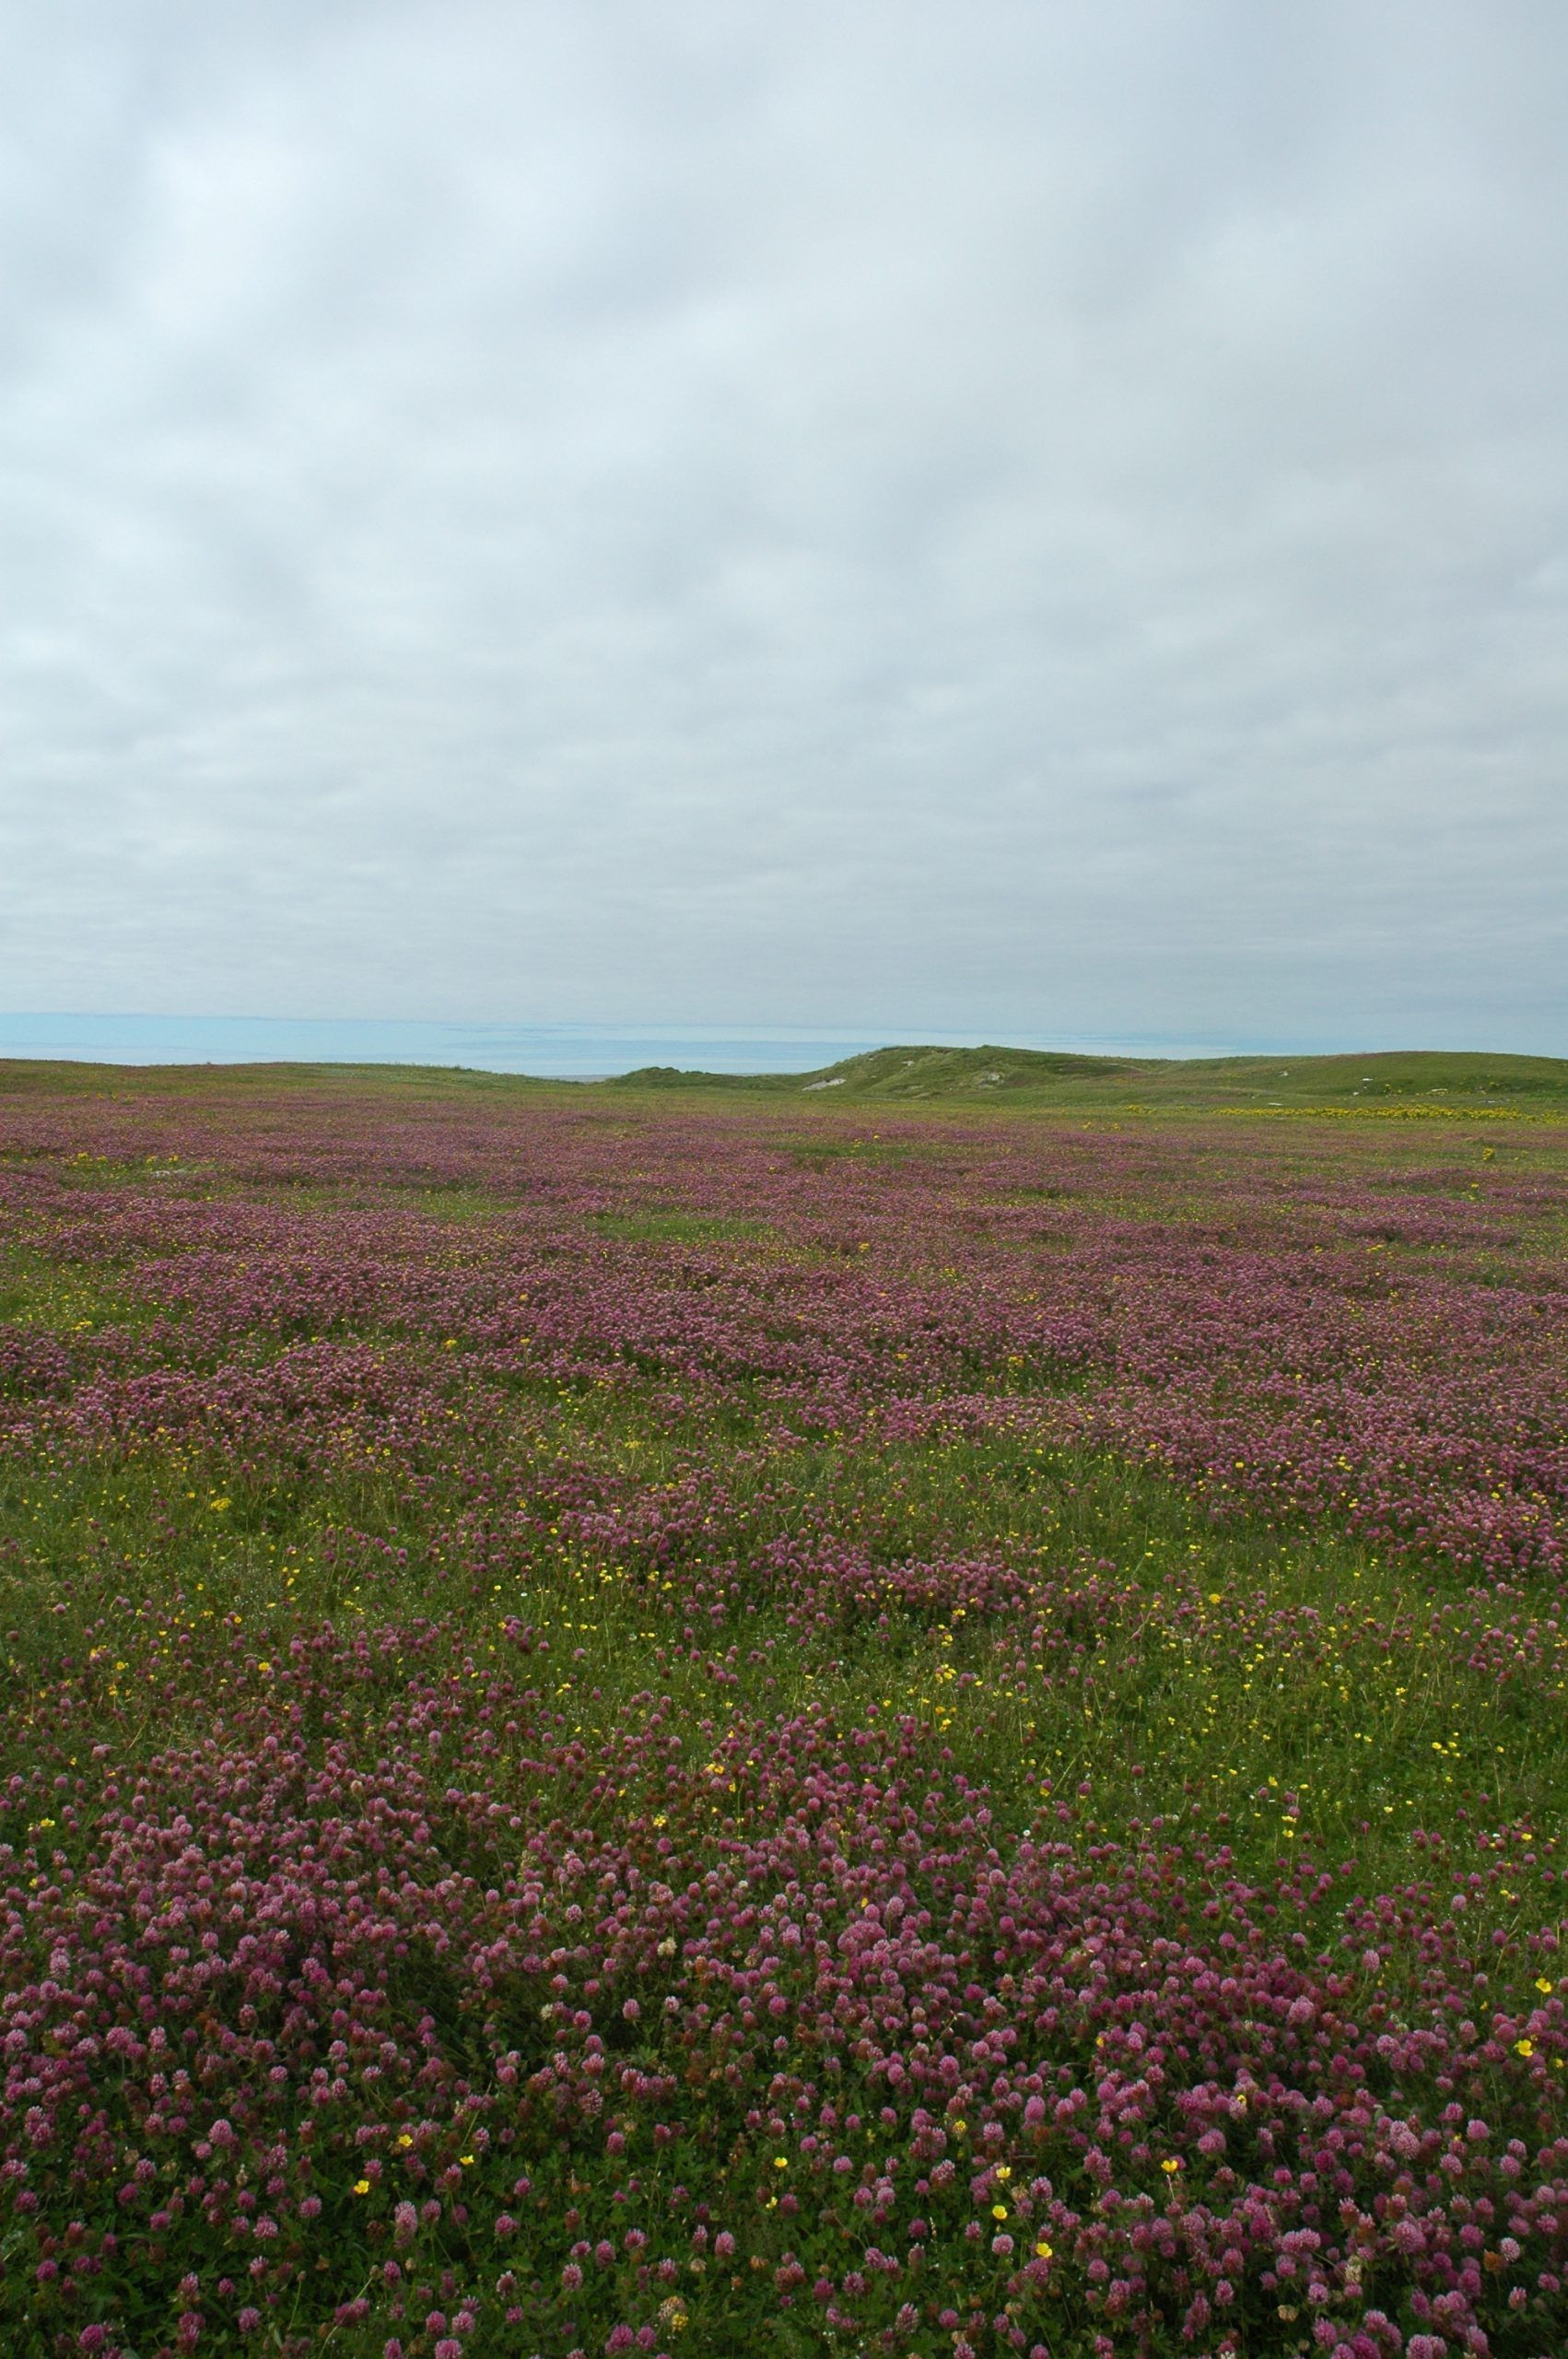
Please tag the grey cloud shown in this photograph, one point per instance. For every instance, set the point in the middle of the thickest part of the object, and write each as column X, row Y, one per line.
column 1044, row 519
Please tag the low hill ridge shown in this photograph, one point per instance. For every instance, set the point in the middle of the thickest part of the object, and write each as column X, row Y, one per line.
column 1467, row 1082
column 915, row 1073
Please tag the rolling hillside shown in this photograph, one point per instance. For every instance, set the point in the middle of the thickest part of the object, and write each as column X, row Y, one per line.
column 1389, row 1079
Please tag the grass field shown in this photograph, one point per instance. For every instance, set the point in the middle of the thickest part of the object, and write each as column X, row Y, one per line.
column 877, row 1712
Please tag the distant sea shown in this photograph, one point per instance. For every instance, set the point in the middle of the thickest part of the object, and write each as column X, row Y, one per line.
column 558, row 1051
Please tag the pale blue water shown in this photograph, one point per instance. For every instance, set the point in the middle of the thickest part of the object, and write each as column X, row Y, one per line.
column 559, row 1050
column 577, row 1051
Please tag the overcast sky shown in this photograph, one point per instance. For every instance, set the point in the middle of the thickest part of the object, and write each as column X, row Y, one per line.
column 1047, row 518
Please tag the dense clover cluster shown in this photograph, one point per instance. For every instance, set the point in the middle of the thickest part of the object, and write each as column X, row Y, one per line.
column 382, row 1976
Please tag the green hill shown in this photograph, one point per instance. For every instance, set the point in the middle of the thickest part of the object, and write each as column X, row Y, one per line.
column 1390, row 1080
column 903, row 1072
column 1386, row 1082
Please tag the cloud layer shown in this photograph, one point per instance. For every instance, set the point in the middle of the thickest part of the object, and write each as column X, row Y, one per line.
column 1053, row 520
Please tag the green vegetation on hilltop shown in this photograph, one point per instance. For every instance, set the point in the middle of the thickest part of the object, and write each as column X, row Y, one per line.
column 916, row 1074
column 1045, row 1079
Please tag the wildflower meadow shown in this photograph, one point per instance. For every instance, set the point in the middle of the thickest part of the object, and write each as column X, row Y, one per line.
column 638, row 1723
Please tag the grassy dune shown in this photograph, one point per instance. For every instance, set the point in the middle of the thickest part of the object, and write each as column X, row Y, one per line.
column 1042, row 1079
